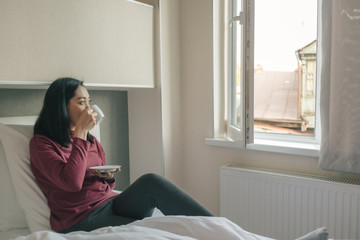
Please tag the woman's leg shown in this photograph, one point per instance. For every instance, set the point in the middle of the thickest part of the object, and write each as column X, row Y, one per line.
column 150, row 191
column 101, row 217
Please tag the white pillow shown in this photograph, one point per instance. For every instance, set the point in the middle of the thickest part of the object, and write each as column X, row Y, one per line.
column 29, row 196
column 11, row 215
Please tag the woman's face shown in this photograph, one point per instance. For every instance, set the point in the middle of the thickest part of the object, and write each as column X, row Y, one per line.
column 77, row 104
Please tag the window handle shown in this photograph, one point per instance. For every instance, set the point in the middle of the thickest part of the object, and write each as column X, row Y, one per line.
column 240, row 18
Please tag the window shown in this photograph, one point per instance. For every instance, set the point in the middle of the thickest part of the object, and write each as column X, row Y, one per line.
column 268, row 74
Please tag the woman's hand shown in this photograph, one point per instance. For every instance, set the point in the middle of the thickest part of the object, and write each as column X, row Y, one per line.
column 106, row 175
column 86, row 122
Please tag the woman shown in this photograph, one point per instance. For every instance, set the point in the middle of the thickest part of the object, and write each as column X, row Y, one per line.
column 61, row 153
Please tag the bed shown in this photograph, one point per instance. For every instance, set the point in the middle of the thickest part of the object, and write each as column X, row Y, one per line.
column 24, row 214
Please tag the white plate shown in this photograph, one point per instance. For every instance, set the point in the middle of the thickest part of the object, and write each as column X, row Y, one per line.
column 110, row 168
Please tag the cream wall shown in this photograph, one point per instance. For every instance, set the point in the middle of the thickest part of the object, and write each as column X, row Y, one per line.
column 171, row 90
column 200, row 163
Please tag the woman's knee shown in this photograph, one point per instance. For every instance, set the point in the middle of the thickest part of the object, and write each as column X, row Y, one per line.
column 151, row 178
column 154, row 181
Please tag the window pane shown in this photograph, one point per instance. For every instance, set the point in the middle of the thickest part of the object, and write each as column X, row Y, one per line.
column 236, row 69
column 285, row 66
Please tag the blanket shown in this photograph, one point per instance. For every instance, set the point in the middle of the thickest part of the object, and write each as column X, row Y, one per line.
column 160, row 228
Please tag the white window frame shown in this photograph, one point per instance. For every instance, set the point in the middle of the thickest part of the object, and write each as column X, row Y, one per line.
column 236, row 132
column 227, row 135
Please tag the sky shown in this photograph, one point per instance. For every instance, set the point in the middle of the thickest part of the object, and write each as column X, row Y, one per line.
column 281, row 28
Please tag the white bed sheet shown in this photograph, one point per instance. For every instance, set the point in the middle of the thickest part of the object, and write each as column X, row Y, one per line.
column 164, row 227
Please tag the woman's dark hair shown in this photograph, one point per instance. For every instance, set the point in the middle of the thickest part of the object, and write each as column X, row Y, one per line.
column 53, row 121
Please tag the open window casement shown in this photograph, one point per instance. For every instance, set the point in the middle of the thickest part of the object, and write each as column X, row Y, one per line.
column 239, row 104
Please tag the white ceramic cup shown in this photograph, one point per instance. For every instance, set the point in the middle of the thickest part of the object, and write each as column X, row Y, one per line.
column 100, row 115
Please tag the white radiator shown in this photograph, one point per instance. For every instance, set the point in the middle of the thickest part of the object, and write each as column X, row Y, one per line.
column 285, row 205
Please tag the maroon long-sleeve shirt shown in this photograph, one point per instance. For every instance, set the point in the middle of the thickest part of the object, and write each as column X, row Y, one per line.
column 63, row 174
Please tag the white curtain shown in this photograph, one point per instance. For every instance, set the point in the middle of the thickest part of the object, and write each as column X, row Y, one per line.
column 339, row 74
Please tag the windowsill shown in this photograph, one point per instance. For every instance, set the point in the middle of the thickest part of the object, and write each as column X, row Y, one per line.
column 295, row 148
column 223, row 142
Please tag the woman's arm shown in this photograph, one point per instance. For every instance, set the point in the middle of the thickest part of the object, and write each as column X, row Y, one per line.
column 63, row 168
column 85, row 123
